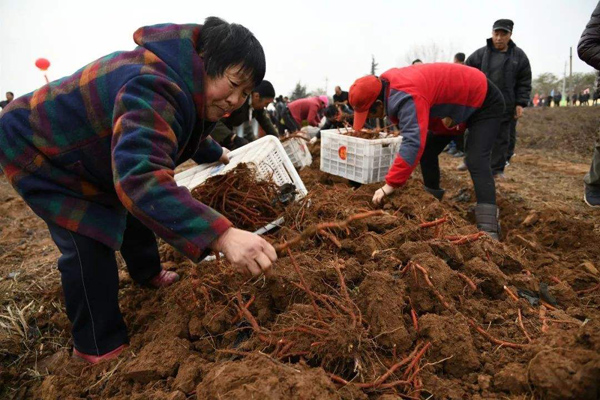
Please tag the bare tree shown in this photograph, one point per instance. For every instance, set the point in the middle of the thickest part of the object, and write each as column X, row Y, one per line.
column 544, row 83
column 318, row 92
column 299, row 92
column 373, row 65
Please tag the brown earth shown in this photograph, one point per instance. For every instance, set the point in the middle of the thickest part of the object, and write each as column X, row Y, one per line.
column 386, row 309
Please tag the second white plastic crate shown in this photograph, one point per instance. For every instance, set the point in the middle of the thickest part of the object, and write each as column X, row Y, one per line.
column 266, row 155
column 297, row 150
column 360, row 160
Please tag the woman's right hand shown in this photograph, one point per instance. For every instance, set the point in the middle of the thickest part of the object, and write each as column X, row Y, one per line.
column 247, row 252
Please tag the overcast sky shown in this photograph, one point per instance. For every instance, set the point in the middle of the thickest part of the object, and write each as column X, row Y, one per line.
column 316, row 42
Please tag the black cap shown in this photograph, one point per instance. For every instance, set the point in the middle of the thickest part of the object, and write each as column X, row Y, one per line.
column 504, row 24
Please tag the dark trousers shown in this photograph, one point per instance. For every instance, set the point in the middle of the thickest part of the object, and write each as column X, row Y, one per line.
column 290, row 123
column 512, row 140
column 460, row 142
column 90, row 282
column 484, row 128
column 502, row 147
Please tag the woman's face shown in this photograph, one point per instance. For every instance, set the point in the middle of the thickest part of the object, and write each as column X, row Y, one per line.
column 226, row 93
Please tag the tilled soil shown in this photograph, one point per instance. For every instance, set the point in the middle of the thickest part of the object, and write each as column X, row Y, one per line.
column 390, row 307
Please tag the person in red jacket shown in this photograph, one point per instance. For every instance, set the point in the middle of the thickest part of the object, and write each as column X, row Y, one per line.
column 422, row 96
column 308, row 110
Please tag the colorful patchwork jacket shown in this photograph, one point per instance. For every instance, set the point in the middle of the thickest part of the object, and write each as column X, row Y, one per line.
column 88, row 148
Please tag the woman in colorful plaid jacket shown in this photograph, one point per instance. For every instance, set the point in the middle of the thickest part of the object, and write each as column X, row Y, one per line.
column 93, row 154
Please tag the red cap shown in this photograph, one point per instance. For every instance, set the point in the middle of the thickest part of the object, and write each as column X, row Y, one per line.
column 363, row 93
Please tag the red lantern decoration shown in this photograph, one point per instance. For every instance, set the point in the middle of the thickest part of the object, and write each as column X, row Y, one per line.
column 42, row 63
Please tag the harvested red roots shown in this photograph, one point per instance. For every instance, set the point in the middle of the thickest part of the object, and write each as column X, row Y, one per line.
column 412, row 359
column 305, row 285
column 593, row 288
column 370, row 133
column 544, row 319
column 523, row 326
column 555, row 280
column 430, row 284
column 246, row 306
column 315, row 229
column 458, row 240
column 415, row 320
column 331, row 237
column 511, row 294
column 468, row 280
column 548, row 306
column 241, row 197
column 433, row 223
column 493, row 339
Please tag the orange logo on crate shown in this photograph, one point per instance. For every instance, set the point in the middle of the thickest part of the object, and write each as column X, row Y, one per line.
column 342, row 152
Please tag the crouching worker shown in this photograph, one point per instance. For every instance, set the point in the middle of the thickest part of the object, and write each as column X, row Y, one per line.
column 253, row 108
column 308, row 110
column 93, row 155
column 414, row 98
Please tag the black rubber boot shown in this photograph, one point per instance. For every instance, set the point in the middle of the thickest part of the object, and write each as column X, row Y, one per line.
column 486, row 216
column 437, row 193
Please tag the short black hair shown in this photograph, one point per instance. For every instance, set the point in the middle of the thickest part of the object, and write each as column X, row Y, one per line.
column 224, row 45
column 416, row 61
column 11, row 93
column 265, row 90
column 331, row 111
column 460, row 57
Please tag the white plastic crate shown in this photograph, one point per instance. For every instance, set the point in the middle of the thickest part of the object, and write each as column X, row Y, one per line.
column 269, row 158
column 265, row 154
column 298, row 152
column 360, row 160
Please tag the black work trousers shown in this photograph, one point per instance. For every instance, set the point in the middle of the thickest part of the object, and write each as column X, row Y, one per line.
column 505, row 143
column 289, row 122
column 484, row 128
column 90, row 282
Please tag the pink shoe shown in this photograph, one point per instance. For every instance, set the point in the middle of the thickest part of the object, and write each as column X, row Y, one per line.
column 163, row 279
column 96, row 359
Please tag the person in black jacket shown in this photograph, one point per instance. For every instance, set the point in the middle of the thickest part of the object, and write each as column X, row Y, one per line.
column 254, row 108
column 588, row 50
column 9, row 97
column 507, row 66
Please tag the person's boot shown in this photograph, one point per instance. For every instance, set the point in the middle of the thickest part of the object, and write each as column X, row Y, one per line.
column 591, row 195
column 437, row 193
column 486, row 216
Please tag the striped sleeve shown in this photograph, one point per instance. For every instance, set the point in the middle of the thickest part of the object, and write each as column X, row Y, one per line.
column 146, row 128
column 413, row 118
column 208, row 151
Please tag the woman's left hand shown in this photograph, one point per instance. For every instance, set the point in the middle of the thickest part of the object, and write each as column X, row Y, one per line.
column 380, row 193
column 224, row 157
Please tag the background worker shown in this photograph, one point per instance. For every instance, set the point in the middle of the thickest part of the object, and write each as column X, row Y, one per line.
column 413, row 98
column 302, row 111
column 588, row 50
column 507, row 66
column 253, row 108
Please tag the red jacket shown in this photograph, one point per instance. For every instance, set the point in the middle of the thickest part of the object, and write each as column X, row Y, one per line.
column 306, row 109
column 418, row 97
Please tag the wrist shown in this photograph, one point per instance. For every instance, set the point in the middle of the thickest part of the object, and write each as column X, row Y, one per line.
column 219, row 243
column 387, row 189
